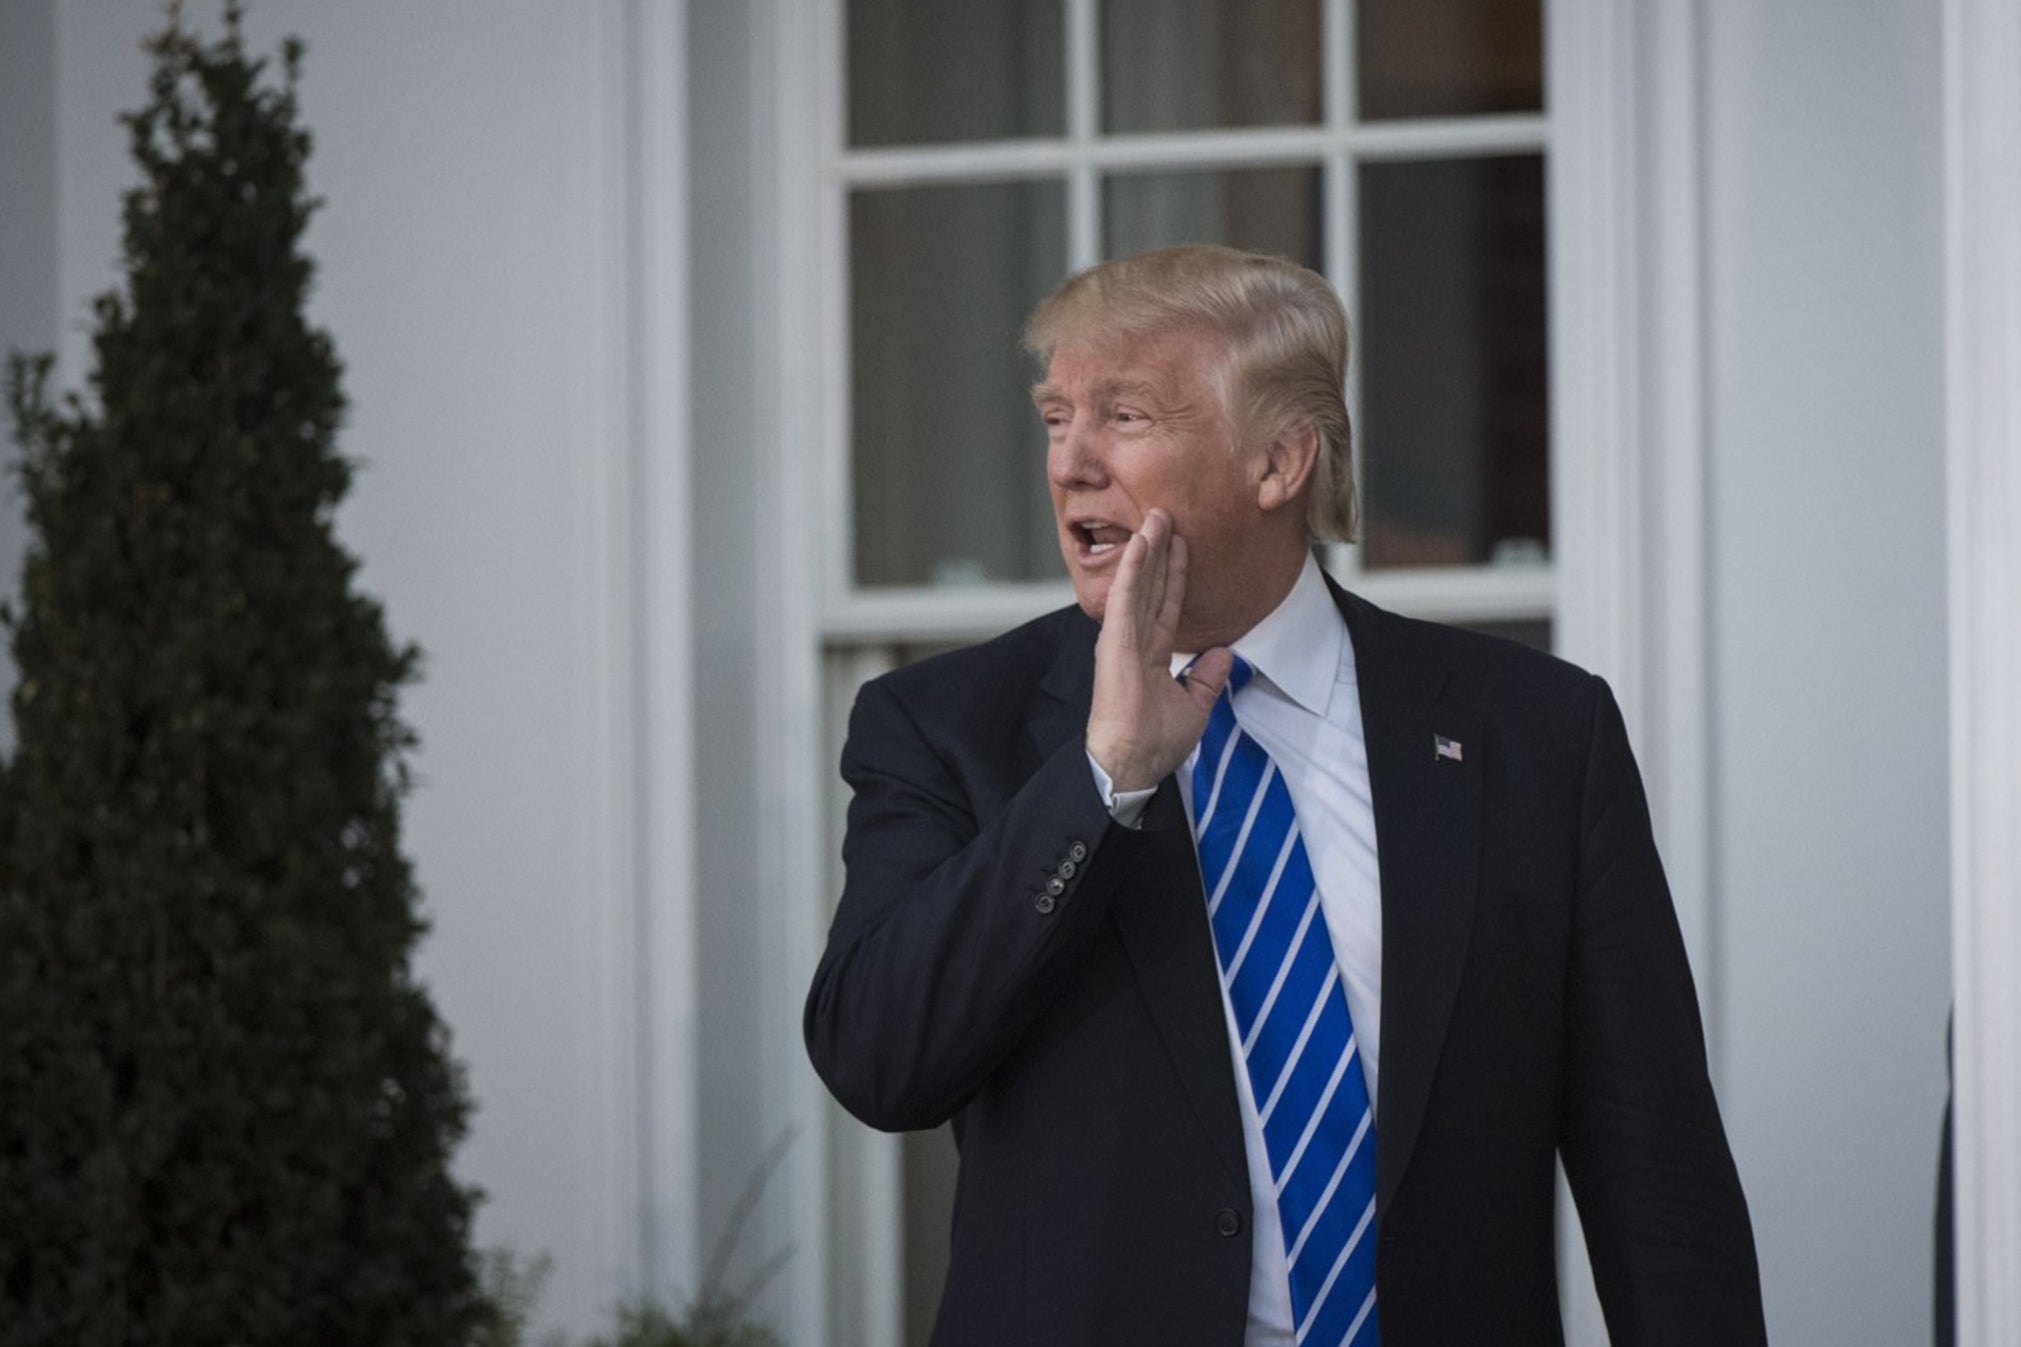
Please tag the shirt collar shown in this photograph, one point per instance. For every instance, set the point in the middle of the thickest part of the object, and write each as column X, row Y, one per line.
column 1297, row 647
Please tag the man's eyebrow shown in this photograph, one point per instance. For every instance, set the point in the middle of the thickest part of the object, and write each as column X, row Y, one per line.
column 1132, row 388
column 1104, row 390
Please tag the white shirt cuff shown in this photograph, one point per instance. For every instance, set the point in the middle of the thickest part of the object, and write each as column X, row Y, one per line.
column 1125, row 806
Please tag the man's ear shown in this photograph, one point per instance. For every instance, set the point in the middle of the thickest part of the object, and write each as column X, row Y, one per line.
column 1288, row 466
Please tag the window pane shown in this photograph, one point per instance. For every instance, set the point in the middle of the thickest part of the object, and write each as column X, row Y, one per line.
column 1172, row 65
column 930, row 1165
column 1454, row 415
column 949, row 458
column 922, row 71
column 1268, row 210
column 1449, row 58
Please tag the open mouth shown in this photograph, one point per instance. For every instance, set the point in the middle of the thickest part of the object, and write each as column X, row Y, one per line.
column 1097, row 538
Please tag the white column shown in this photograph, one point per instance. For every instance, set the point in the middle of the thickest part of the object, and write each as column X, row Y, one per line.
column 1982, row 191
column 1627, row 437
column 798, row 122
column 646, row 54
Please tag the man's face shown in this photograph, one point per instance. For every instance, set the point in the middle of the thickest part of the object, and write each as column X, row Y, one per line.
column 1137, row 424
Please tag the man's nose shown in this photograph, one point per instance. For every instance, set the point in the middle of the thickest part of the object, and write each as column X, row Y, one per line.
column 1074, row 457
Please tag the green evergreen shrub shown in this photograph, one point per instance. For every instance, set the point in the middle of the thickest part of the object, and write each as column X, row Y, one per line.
column 226, row 1106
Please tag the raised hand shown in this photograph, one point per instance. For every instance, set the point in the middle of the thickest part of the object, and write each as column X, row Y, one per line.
column 1143, row 722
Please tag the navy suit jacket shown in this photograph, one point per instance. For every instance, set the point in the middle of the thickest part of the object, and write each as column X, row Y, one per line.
column 1536, row 1002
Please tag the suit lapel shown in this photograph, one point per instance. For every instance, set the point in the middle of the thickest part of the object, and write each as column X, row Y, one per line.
column 1161, row 914
column 1428, row 834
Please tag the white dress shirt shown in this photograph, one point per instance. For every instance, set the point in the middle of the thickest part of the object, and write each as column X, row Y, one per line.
column 1304, row 708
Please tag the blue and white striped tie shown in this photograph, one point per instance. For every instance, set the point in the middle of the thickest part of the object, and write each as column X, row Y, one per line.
column 1298, row 1041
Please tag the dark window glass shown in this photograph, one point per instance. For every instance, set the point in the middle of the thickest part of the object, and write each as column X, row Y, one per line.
column 1270, row 210
column 948, row 455
column 925, row 71
column 931, row 1164
column 1183, row 65
column 1449, row 58
column 1454, row 428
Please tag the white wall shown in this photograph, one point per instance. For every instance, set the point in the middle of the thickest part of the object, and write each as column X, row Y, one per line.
column 467, row 256
column 1827, row 647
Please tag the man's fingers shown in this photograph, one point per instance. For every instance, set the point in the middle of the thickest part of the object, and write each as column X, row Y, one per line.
column 1156, row 531
column 1147, row 564
column 1209, row 675
column 1173, row 597
column 1124, row 614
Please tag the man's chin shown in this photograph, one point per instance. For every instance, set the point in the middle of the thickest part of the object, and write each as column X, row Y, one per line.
column 1093, row 596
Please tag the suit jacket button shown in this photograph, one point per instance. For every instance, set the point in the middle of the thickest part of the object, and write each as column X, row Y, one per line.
column 1078, row 852
column 1067, row 869
column 1228, row 1221
column 1056, row 886
column 1046, row 903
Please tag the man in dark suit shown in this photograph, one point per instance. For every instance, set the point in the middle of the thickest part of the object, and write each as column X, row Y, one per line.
column 1061, row 931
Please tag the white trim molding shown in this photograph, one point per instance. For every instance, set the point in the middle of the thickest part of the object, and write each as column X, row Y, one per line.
column 1628, row 512
column 1627, row 477
column 1982, row 284
column 1009, row 160
column 923, row 615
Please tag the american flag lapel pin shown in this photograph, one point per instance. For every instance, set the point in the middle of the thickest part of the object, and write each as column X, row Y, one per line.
column 1447, row 750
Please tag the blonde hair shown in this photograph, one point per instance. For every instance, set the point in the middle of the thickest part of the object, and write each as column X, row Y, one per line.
column 1286, row 336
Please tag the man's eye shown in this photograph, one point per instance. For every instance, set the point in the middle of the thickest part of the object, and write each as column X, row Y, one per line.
column 1130, row 418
